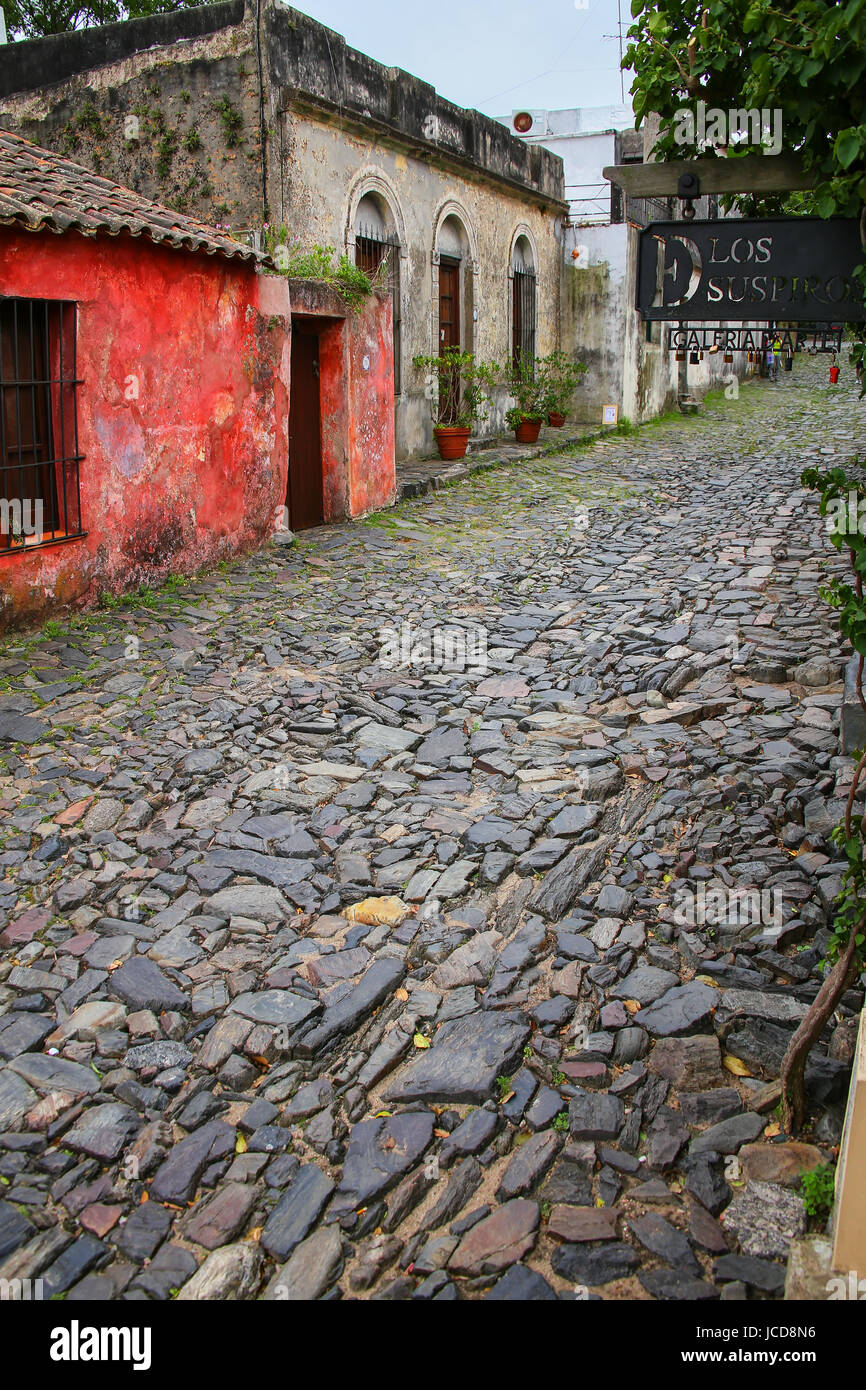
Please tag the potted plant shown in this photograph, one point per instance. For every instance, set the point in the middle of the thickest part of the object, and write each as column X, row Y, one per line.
column 526, row 384
column 560, row 376
column 457, row 387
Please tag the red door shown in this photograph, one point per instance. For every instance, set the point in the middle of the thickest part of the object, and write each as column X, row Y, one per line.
column 305, row 497
column 449, row 303
column 449, row 329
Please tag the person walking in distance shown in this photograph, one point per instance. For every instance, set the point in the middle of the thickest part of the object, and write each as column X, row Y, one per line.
column 771, row 361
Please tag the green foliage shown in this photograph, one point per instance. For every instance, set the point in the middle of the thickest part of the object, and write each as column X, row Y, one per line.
column 192, row 141
column 165, row 147
column 818, row 1190
column 560, row 1124
column 232, row 122
column 503, row 1085
column 318, row 263
column 560, row 376
column 842, row 501
column 806, row 58
column 87, row 122
column 458, row 387
column 540, row 386
column 525, row 382
column 32, row 19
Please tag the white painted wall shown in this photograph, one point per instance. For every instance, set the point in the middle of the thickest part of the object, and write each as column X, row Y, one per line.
column 585, row 140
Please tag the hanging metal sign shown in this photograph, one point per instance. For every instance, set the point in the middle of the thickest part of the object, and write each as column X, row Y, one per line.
column 806, row 337
column 786, row 269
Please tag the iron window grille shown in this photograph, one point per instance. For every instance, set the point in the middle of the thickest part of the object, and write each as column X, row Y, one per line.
column 523, row 317
column 40, row 497
column 372, row 249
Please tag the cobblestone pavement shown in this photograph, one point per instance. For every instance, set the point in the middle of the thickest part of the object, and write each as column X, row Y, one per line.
column 546, row 1070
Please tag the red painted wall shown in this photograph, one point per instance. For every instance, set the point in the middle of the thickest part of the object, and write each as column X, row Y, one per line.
column 357, row 400
column 194, row 469
column 370, row 352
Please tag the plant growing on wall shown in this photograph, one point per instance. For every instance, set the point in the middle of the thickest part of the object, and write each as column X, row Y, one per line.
column 458, row 389
column 318, row 263
column 845, row 952
column 232, row 122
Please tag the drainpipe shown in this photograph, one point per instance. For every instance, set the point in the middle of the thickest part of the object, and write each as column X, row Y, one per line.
column 263, row 139
column 683, row 372
column 2, row 27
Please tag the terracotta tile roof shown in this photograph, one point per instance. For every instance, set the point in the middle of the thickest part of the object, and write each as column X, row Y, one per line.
column 41, row 189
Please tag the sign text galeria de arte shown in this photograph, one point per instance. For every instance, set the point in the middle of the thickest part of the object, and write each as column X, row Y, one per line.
column 774, row 269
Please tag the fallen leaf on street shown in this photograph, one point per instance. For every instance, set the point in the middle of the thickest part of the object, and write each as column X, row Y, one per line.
column 735, row 1066
column 378, row 912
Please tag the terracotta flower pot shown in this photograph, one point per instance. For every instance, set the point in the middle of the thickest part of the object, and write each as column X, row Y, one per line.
column 452, row 441
column 555, row 420
column 527, row 431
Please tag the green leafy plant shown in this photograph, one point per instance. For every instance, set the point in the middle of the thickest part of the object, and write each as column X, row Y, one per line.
column 525, row 382
column 232, row 122
column 818, row 1189
column 560, row 1124
column 458, row 388
column 165, row 153
column 842, row 501
column 503, row 1084
column 560, row 377
column 318, row 263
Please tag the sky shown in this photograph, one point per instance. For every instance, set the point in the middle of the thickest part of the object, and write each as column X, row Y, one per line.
column 498, row 56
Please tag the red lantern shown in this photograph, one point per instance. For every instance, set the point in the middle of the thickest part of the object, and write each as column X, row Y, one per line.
column 834, row 375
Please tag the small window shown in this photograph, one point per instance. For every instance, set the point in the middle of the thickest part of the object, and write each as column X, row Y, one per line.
column 40, row 501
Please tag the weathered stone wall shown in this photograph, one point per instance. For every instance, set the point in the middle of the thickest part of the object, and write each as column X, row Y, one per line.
column 321, row 166
column 601, row 327
column 336, row 122
column 196, row 102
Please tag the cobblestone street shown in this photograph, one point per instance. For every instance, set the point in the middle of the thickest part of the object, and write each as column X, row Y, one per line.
column 554, row 713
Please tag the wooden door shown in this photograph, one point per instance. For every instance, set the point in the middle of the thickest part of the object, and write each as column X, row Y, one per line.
column 449, row 332
column 449, row 303
column 305, row 498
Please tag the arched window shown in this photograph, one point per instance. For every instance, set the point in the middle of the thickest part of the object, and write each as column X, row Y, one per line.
column 455, row 275
column 377, row 243
column 523, row 301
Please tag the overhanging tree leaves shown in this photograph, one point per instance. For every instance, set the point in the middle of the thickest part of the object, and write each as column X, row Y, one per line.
column 34, row 19
column 807, row 59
